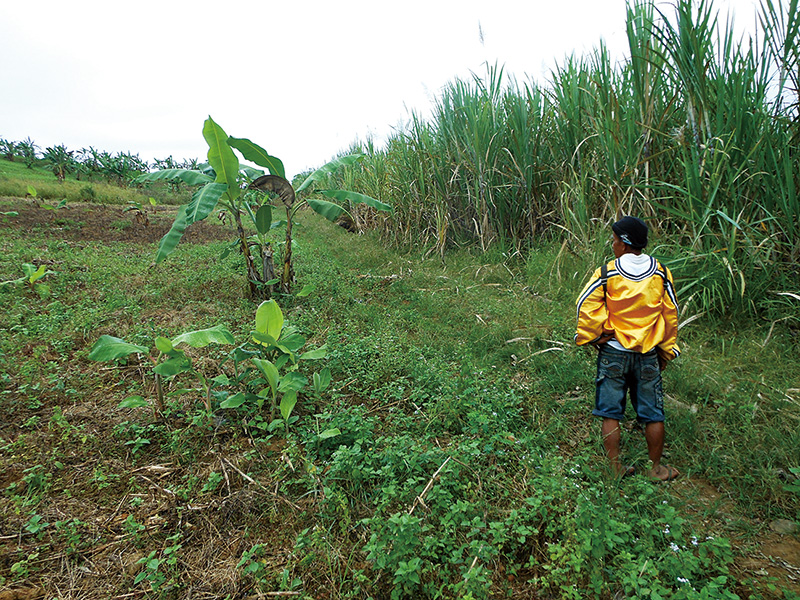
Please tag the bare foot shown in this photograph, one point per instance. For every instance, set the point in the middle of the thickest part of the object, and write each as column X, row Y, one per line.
column 621, row 470
column 664, row 473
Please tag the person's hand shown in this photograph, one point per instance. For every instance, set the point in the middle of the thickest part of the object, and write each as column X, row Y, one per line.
column 663, row 359
column 604, row 338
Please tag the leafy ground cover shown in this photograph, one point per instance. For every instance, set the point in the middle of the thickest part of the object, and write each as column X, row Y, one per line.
column 452, row 456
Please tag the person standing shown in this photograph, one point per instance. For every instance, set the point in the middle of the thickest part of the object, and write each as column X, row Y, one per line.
column 629, row 312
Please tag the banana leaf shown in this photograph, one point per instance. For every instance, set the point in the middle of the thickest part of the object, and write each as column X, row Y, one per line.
column 255, row 153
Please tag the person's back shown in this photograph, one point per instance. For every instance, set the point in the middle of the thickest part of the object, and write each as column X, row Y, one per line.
column 638, row 304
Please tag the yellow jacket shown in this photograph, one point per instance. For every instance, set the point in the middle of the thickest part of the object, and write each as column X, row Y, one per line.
column 639, row 307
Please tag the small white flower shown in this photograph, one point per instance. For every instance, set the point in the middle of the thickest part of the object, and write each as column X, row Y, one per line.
column 674, row 547
column 666, row 530
column 682, row 580
column 694, row 541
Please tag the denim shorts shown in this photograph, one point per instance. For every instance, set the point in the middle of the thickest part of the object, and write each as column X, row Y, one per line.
column 619, row 372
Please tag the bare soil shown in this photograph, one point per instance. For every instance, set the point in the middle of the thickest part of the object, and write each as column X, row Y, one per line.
column 90, row 222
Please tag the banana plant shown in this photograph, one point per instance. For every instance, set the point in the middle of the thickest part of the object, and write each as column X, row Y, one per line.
column 170, row 360
column 272, row 356
column 225, row 184
column 60, row 160
column 277, row 184
column 31, row 279
column 278, row 347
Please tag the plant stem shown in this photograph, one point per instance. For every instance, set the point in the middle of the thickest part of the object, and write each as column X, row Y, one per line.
column 287, row 275
column 159, row 397
column 252, row 273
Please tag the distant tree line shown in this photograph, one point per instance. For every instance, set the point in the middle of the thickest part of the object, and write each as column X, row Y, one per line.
column 87, row 163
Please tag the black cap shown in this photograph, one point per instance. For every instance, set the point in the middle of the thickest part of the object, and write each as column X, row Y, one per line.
column 632, row 231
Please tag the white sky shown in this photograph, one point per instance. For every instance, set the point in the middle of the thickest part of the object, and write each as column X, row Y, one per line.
column 301, row 78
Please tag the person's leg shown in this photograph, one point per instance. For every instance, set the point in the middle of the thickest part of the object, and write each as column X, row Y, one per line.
column 610, row 397
column 647, row 399
column 611, row 439
column 654, row 434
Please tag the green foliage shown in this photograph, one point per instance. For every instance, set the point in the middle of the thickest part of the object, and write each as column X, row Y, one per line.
column 272, row 356
column 8, row 149
column 15, row 179
column 274, row 349
column 60, row 161
column 160, row 568
column 228, row 189
column 31, row 279
column 451, row 443
column 695, row 130
column 253, row 565
column 171, row 360
column 28, row 151
column 22, row 568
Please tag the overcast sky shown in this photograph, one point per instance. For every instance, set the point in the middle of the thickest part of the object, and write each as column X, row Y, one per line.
column 301, row 78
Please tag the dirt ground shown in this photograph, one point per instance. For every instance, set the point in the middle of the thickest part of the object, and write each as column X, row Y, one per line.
column 89, row 222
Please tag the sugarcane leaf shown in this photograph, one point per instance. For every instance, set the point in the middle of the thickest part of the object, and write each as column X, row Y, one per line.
column 355, row 198
column 329, row 168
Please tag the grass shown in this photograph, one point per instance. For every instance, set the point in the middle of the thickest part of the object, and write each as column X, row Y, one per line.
column 466, row 463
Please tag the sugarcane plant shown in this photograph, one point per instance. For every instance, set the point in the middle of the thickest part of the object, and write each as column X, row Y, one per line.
column 238, row 190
